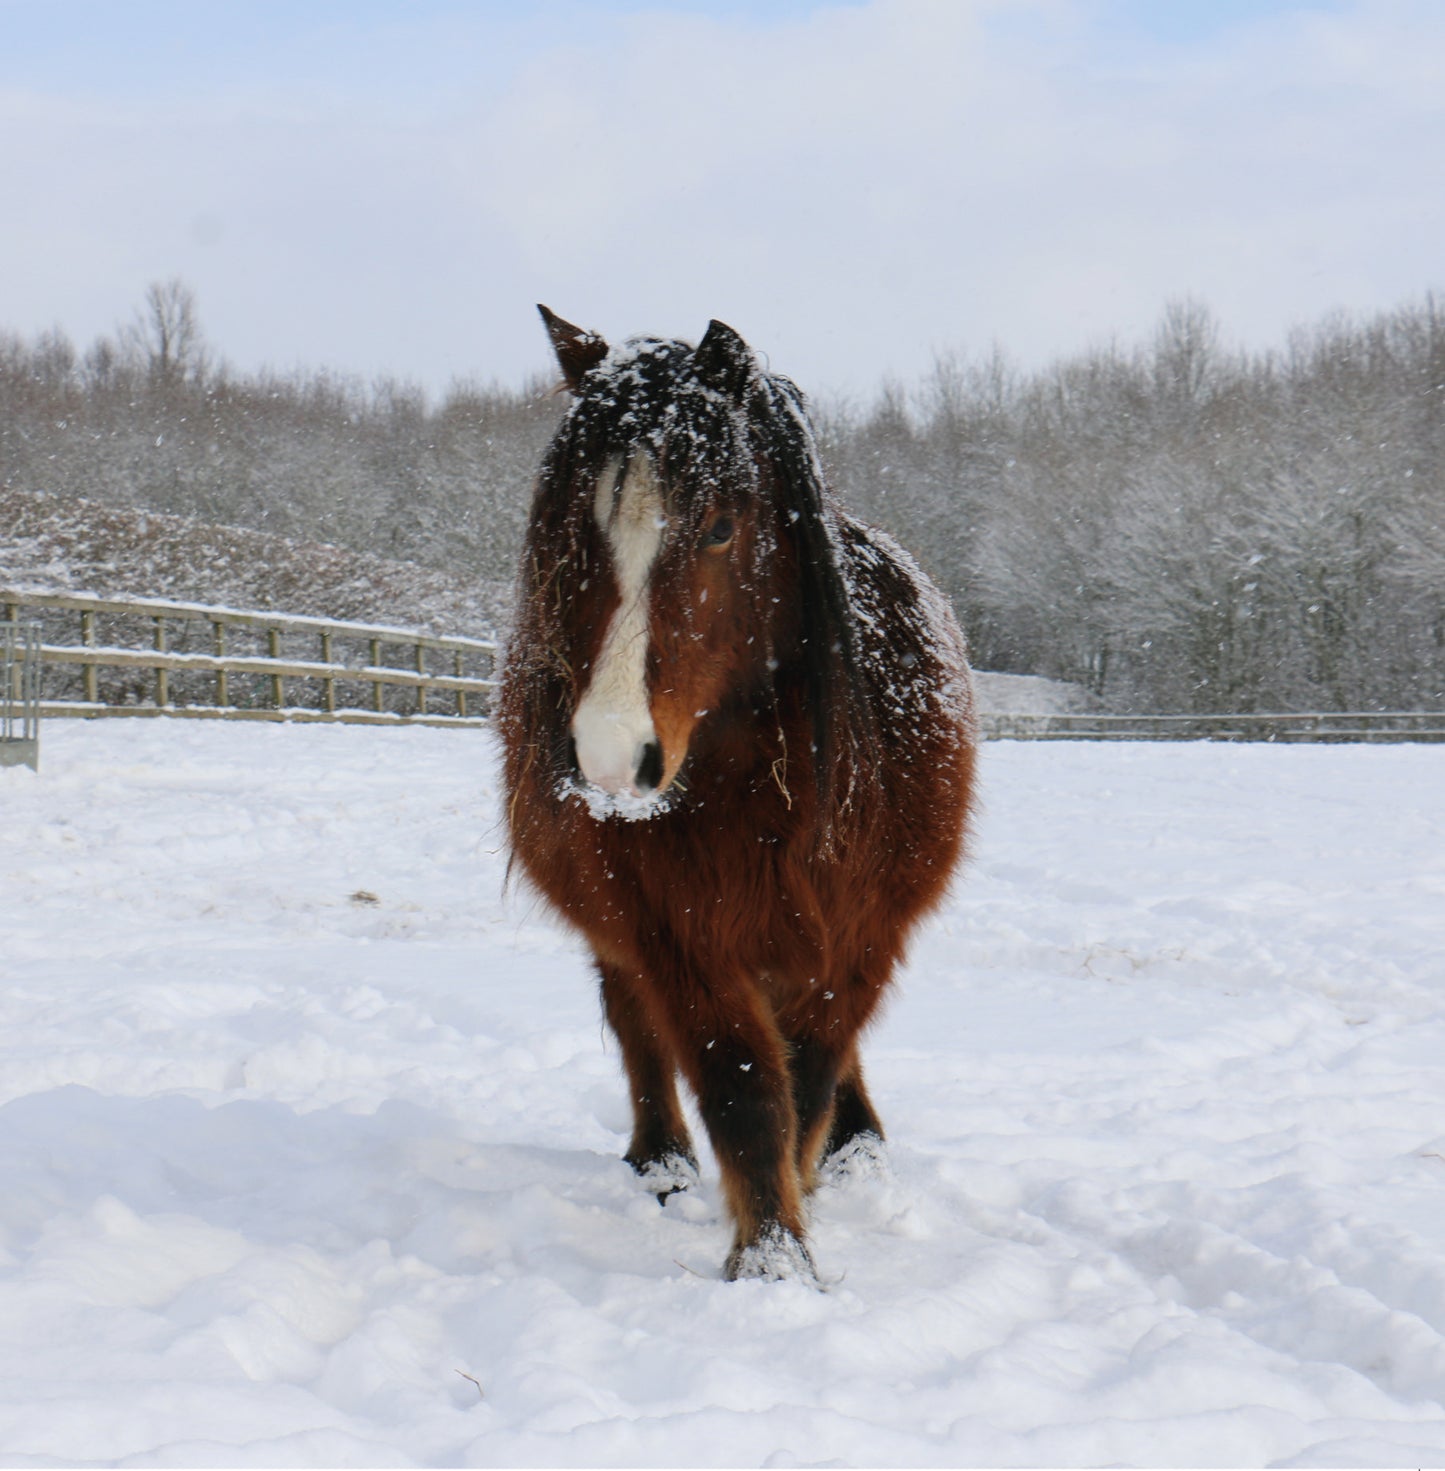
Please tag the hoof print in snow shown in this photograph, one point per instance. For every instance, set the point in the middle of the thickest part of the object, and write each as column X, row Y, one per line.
column 776, row 1256
column 365, row 899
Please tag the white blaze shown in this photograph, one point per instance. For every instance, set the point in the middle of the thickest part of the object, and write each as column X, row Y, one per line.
column 613, row 722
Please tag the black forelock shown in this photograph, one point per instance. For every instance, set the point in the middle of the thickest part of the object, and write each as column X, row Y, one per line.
column 647, row 395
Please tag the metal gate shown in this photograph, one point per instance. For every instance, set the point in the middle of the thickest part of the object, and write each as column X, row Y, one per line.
column 20, row 695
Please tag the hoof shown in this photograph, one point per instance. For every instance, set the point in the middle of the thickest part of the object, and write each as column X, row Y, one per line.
column 863, row 1157
column 669, row 1175
column 776, row 1256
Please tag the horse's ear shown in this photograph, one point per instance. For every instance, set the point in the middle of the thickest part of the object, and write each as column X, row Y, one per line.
column 576, row 349
column 723, row 360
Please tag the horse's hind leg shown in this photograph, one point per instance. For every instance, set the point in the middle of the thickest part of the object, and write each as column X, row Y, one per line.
column 661, row 1151
column 816, row 1065
column 854, row 1117
column 832, row 1103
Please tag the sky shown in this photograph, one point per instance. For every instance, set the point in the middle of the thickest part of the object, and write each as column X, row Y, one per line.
column 387, row 189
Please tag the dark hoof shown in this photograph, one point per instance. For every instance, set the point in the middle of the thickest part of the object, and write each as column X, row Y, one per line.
column 669, row 1175
column 776, row 1256
column 863, row 1157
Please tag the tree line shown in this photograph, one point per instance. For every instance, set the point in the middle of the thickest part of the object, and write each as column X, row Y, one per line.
column 1177, row 525
column 150, row 418
column 1180, row 526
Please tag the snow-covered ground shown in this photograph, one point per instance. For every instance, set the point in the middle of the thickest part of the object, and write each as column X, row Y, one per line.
column 309, row 1135
column 1029, row 694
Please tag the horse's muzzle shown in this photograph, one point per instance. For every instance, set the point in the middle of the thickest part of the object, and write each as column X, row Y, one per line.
column 622, row 761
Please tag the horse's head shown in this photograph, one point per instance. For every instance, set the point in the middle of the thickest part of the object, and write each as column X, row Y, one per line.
column 667, row 556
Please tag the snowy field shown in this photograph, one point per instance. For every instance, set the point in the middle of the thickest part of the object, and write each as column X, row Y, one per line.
column 309, row 1135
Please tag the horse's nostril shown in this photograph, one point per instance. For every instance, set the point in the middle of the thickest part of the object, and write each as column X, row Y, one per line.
column 649, row 769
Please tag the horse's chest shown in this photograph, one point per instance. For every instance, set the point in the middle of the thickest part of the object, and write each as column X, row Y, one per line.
column 711, row 891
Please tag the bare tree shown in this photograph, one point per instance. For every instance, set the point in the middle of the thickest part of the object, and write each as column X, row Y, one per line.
column 1186, row 354
column 165, row 334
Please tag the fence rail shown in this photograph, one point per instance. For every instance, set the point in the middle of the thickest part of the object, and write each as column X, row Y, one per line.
column 146, row 656
column 1363, row 725
column 149, row 657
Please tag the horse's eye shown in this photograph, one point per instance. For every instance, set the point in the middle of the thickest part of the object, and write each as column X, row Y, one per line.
column 720, row 533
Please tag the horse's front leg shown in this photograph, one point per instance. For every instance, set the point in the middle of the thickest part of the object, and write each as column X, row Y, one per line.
column 737, row 1063
column 661, row 1150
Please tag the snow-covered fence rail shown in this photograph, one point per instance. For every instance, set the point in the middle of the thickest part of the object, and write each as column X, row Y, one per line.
column 144, row 656
column 1371, row 725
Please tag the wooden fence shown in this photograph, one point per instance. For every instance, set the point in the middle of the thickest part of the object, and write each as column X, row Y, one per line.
column 1372, row 725
column 144, row 656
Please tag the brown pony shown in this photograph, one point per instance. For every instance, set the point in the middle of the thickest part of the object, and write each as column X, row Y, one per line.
column 739, row 748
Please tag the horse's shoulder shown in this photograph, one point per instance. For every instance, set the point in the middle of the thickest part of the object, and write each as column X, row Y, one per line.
column 892, row 596
column 912, row 650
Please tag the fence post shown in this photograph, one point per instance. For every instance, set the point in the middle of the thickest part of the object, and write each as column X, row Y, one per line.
column 163, row 684
column 330, row 682
column 421, row 688
column 278, row 688
column 20, row 694
column 461, row 694
column 223, row 687
column 12, row 617
column 87, row 637
column 378, row 700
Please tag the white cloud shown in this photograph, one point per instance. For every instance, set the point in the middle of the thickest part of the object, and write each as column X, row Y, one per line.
column 852, row 190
